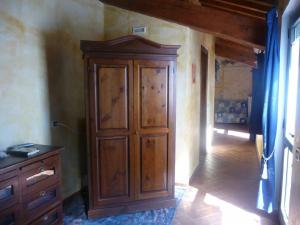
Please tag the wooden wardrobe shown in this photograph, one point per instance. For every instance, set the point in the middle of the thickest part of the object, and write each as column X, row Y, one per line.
column 130, row 105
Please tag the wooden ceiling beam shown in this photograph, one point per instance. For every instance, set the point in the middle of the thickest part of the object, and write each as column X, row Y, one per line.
column 234, row 8
column 238, row 28
column 258, row 6
column 235, row 52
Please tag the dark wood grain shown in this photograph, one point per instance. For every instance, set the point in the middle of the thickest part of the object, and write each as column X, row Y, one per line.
column 13, row 160
column 154, row 163
column 153, row 86
column 130, row 46
column 133, row 206
column 31, row 178
column 37, row 203
column 235, row 52
column 203, row 99
column 10, row 192
column 39, row 174
column 112, row 95
column 255, row 9
column 239, row 28
column 10, row 215
column 111, row 130
column 113, row 175
column 52, row 217
column 130, row 98
column 154, row 128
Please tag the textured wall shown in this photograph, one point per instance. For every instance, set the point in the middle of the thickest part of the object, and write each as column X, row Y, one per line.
column 119, row 22
column 41, row 75
column 235, row 82
column 209, row 43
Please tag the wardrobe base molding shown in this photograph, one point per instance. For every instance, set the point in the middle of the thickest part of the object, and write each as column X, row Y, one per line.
column 136, row 206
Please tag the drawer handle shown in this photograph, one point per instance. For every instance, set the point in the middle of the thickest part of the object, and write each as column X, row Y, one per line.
column 45, row 218
column 42, row 193
column 41, row 169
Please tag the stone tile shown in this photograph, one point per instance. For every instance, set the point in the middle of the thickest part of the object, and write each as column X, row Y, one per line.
column 224, row 188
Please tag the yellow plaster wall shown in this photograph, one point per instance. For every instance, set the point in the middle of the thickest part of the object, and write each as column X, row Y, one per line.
column 209, row 42
column 119, row 22
column 41, row 76
column 235, row 82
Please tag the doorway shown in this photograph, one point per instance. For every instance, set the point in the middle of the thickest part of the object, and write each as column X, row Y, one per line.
column 223, row 189
column 203, row 99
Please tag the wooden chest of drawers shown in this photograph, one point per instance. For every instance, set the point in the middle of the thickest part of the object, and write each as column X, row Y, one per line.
column 30, row 189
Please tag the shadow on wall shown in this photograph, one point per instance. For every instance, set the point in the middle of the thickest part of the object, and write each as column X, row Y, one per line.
column 45, row 80
column 66, row 104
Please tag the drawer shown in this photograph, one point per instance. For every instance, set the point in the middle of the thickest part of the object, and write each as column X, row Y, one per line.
column 52, row 217
column 35, row 204
column 10, row 216
column 9, row 192
column 40, row 174
column 8, row 174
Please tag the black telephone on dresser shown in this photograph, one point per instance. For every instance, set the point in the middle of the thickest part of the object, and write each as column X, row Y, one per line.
column 23, row 150
column 19, row 146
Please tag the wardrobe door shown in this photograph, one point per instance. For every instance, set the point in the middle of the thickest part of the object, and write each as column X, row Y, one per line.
column 111, row 131
column 154, row 125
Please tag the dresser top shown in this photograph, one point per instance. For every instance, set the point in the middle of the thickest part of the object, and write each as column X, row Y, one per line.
column 13, row 160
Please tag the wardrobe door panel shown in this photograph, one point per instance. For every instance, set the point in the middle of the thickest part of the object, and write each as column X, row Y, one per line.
column 154, row 96
column 113, row 97
column 113, row 174
column 154, row 163
column 153, row 93
column 111, row 131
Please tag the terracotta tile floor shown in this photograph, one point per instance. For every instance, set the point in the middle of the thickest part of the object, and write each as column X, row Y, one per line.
column 223, row 190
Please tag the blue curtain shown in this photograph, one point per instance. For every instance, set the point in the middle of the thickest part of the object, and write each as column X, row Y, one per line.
column 255, row 123
column 266, row 197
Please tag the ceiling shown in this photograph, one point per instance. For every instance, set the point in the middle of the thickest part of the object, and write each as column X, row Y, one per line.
column 250, row 8
column 238, row 25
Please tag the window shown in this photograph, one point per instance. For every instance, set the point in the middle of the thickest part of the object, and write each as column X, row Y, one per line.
column 292, row 92
column 290, row 118
column 286, row 183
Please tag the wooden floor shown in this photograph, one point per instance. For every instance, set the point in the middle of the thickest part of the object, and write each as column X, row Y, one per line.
column 223, row 190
